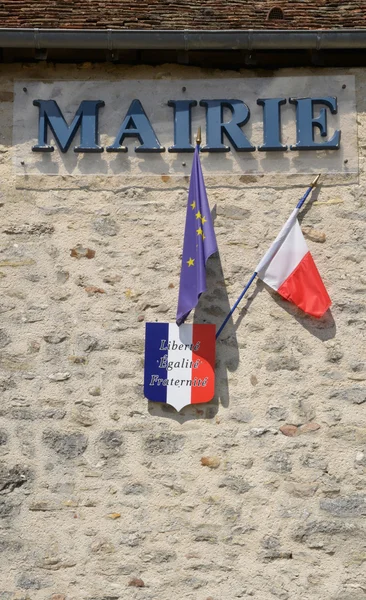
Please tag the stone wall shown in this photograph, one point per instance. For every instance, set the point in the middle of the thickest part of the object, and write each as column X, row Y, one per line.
column 258, row 494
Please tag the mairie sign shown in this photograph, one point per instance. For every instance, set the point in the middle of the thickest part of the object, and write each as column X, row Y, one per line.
column 136, row 124
column 147, row 127
column 179, row 363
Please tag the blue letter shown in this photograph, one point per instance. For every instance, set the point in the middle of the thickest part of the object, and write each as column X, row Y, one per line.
column 305, row 123
column 86, row 117
column 216, row 127
column 136, row 124
column 182, row 125
column 271, row 124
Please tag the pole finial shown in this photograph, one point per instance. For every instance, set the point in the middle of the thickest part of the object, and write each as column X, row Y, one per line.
column 198, row 137
column 313, row 183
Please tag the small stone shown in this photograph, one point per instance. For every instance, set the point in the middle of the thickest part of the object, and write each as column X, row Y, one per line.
column 112, row 279
column 59, row 376
column 271, row 555
column 60, row 296
column 80, row 252
column 259, row 431
column 83, row 415
column 164, row 443
column 253, row 380
column 279, row 462
column 114, row 516
column 314, row 234
column 27, row 581
column 162, row 308
column 111, row 443
column 3, row 437
column 358, row 367
column 55, row 338
column 140, row 318
column 94, row 391
column 17, row 263
column 58, row 597
column 6, row 509
column 34, row 346
column 106, row 226
column 313, row 462
column 301, row 490
column 330, row 528
column 354, row 394
column 213, row 462
column 360, row 458
column 12, row 478
column 285, row 363
column 353, row 506
column 334, row 353
column 135, row 582
column 92, row 289
column 102, row 547
column 62, row 276
column 289, row 430
column 86, row 343
column 69, row 445
column 78, row 360
column 308, row 428
column 29, row 229
column 235, row 484
column 4, row 338
column 134, row 489
column 277, row 412
column 242, row 416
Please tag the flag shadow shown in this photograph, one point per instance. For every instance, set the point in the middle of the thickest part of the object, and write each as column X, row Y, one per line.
column 324, row 328
column 244, row 310
column 213, row 307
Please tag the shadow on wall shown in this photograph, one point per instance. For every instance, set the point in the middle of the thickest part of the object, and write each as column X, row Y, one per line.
column 324, row 328
column 212, row 307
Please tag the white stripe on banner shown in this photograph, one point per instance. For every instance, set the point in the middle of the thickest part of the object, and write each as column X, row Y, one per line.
column 179, row 394
column 263, row 264
column 289, row 255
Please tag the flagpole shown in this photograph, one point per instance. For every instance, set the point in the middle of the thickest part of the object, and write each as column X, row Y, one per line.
column 298, row 206
column 198, row 138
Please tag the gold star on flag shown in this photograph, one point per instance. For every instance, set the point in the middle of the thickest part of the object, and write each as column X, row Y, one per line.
column 199, row 231
column 193, row 205
column 204, row 220
column 190, row 262
column 198, row 215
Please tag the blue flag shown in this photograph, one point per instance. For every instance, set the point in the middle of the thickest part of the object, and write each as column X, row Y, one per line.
column 198, row 245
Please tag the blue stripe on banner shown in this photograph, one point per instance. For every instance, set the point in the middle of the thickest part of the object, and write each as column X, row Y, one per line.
column 156, row 340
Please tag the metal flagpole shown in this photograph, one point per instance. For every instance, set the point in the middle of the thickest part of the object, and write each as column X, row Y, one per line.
column 198, row 137
column 298, row 206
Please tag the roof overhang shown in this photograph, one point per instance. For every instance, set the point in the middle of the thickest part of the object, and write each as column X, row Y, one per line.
column 186, row 40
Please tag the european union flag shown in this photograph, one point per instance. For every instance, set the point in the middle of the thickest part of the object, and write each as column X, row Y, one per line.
column 198, row 245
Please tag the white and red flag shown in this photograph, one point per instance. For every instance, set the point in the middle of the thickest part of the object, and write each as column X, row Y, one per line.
column 289, row 268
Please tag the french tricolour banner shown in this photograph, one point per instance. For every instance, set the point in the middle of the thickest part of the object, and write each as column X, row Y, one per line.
column 289, row 268
column 179, row 363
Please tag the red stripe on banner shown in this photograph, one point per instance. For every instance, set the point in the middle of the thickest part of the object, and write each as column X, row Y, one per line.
column 305, row 288
column 205, row 355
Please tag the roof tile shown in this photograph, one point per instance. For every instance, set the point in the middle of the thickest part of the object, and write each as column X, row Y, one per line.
column 182, row 14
